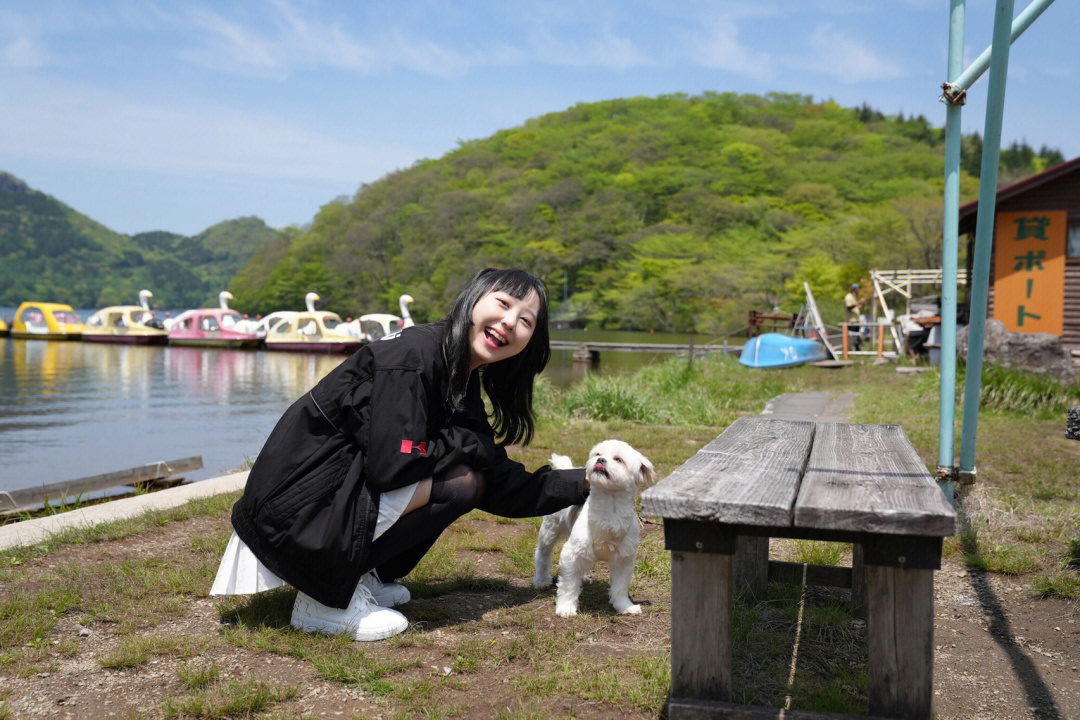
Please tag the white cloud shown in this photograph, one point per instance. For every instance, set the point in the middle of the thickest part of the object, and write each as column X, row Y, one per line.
column 847, row 59
column 25, row 52
column 718, row 47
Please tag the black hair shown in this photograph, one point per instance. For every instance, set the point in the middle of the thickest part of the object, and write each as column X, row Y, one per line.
column 508, row 383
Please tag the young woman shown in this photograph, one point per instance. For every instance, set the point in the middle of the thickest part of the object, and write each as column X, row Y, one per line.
column 362, row 474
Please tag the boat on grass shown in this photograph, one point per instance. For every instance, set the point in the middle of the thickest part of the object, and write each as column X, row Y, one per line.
column 211, row 327
column 773, row 350
column 46, row 321
column 128, row 324
column 312, row 331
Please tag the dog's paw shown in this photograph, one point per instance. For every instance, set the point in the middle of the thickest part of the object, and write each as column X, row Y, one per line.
column 632, row 610
column 542, row 581
column 565, row 610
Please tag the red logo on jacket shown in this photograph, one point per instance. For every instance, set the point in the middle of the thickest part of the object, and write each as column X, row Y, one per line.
column 407, row 446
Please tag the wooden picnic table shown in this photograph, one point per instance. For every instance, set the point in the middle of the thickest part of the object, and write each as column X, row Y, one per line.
column 762, row 478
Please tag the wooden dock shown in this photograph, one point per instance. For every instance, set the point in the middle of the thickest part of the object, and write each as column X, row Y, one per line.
column 673, row 348
column 73, row 491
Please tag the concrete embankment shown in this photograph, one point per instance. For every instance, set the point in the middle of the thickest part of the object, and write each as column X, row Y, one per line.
column 29, row 532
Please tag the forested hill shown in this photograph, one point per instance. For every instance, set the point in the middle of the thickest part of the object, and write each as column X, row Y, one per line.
column 50, row 252
column 675, row 213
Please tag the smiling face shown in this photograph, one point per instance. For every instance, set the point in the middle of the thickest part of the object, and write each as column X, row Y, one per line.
column 501, row 326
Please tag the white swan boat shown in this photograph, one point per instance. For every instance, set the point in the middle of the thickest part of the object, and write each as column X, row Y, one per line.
column 312, row 331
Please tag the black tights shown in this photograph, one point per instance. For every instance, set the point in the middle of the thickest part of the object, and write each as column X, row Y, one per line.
column 400, row 548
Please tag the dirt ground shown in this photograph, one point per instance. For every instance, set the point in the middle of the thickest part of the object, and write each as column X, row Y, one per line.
column 1000, row 652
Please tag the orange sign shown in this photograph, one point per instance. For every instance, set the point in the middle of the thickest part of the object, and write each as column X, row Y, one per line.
column 1029, row 271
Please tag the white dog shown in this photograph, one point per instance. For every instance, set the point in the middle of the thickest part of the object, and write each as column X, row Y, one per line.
column 606, row 527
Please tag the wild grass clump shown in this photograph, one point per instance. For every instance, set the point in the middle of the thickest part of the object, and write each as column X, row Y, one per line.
column 709, row 391
column 1010, row 390
column 610, row 398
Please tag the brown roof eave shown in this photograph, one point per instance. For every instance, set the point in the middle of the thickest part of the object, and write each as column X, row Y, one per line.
column 969, row 212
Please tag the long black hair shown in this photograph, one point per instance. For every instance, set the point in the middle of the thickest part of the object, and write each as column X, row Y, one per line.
column 508, row 383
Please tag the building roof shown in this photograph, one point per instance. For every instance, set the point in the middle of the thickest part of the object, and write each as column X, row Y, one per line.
column 969, row 212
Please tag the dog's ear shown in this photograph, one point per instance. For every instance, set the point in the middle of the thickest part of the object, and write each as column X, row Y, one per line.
column 648, row 475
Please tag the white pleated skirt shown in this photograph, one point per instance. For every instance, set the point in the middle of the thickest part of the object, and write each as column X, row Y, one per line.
column 241, row 573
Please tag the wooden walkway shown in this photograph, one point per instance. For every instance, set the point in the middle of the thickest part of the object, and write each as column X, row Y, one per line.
column 642, row 347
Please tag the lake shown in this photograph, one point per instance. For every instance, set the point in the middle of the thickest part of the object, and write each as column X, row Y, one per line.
column 74, row 409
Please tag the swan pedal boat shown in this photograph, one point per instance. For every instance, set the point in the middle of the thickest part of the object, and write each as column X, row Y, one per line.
column 373, row 326
column 211, row 327
column 128, row 324
column 773, row 350
column 312, row 331
column 4, row 328
column 46, row 321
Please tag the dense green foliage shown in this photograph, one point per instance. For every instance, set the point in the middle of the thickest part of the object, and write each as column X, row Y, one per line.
column 675, row 213
column 49, row 252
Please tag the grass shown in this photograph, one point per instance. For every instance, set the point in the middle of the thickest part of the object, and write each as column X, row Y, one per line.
column 229, row 699
column 474, row 610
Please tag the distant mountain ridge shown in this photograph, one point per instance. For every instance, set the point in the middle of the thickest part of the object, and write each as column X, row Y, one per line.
column 51, row 252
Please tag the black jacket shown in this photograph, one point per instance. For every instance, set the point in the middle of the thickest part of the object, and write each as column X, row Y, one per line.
column 377, row 422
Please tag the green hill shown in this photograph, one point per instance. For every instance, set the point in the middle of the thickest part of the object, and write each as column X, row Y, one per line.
column 48, row 251
column 674, row 213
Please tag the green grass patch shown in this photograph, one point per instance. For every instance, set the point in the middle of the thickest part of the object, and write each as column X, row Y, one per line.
column 817, row 552
column 1015, row 391
column 217, row 505
column 136, row 651
column 231, row 699
column 1064, row 585
column 197, row 675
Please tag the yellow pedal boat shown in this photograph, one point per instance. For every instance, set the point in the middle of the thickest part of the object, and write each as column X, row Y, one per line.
column 46, row 321
column 312, row 331
column 129, row 324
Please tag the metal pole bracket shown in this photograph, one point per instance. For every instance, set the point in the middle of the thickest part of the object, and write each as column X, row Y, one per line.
column 946, row 474
column 953, row 94
column 966, row 477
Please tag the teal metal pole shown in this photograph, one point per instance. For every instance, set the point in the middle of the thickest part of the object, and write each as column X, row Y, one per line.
column 1019, row 25
column 984, row 232
column 950, row 224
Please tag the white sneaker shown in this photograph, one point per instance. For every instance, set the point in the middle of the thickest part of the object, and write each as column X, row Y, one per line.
column 386, row 594
column 363, row 619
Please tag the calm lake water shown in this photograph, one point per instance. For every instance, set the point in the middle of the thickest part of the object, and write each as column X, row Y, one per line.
column 73, row 409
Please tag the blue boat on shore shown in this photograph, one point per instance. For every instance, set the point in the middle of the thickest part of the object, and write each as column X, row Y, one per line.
column 773, row 350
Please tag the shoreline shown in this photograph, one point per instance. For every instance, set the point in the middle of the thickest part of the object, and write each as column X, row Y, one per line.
column 32, row 532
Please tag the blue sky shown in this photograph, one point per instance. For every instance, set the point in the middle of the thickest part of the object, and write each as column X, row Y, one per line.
column 150, row 115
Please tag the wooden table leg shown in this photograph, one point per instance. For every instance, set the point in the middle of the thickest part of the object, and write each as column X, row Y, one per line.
column 858, row 580
column 751, row 566
column 701, row 585
column 900, row 628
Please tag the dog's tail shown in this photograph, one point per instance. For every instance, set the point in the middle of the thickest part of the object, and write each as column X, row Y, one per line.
column 561, row 462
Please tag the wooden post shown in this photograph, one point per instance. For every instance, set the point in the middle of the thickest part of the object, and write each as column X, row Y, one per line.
column 880, row 341
column 844, row 333
column 858, row 580
column 701, row 625
column 751, row 565
column 900, row 630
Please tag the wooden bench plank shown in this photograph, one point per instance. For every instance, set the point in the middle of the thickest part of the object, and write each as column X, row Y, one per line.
column 868, row 478
column 749, row 475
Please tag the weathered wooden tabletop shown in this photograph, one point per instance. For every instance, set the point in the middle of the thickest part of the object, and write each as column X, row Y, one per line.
column 795, row 474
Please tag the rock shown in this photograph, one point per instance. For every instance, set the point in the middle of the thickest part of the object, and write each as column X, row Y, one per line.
column 1040, row 353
